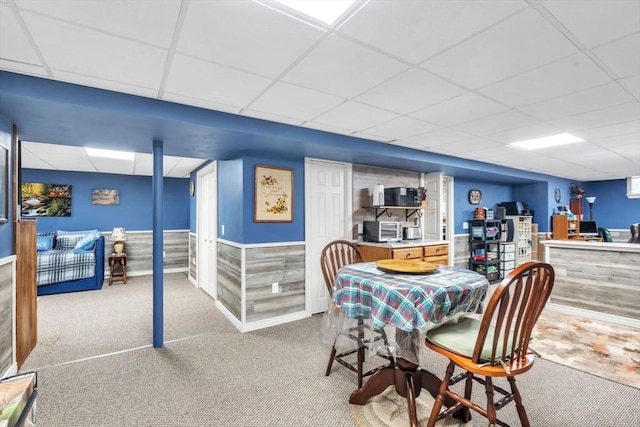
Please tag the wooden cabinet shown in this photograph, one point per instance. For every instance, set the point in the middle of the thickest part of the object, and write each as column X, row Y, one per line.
column 436, row 254
column 564, row 228
column 575, row 206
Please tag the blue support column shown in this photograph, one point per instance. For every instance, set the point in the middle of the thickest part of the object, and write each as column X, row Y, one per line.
column 158, row 259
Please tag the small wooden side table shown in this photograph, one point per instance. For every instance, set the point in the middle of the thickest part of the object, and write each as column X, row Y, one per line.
column 118, row 267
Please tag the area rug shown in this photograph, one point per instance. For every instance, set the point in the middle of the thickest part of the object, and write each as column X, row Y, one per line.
column 388, row 409
column 603, row 349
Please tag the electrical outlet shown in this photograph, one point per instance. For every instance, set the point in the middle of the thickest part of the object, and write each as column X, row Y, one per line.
column 222, row 229
column 465, row 225
column 274, row 288
column 360, row 228
column 164, row 254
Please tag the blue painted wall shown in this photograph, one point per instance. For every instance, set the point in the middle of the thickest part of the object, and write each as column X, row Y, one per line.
column 231, row 201
column 6, row 229
column 136, row 201
column 492, row 194
column 265, row 232
column 612, row 208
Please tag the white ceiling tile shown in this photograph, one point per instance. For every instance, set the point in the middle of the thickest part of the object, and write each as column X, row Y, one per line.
column 143, row 164
column 342, row 68
column 632, row 84
column 22, row 68
column 202, row 103
column 61, row 157
column 327, row 128
column 610, row 131
column 91, row 81
column 608, row 116
column 518, row 44
column 415, row 30
column 352, row 115
column 547, row 82
column 596, row 22
column 619, row 140
column 200, row 79
column 294, row 101
column 496, row 123
column 621, row 56
column 630, row 151
column 410, row 91
column 96, row 54
column 152, row 22
column 464, row 108
column 32, row 161
column 371, row 137
column 401, row 128
column 466, row 148
column 438, row 137
column 245, row 35
column 117, row 166
column 271, row 117
column 579, row 102
column 538, row 130
column 14, row 44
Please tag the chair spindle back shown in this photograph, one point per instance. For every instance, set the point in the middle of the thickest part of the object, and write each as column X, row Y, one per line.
column 513, row 311
column 335, row 255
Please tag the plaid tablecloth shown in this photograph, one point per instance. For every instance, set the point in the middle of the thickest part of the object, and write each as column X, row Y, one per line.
column 407, row 301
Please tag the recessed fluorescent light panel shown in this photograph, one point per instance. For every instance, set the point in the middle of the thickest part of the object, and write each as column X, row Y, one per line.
column 317, row 13
column 109, row 154
column 547, row 141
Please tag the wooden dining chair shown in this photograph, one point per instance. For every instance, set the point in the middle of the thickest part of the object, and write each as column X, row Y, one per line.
column 335, row 255
column 497, row 346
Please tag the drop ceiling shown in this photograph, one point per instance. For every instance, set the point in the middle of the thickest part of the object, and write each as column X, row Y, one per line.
column 455, row 78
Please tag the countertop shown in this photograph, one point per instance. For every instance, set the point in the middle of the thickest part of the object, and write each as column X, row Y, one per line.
column 404, row 243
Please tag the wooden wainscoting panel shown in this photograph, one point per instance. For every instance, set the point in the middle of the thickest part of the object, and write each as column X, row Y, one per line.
column 280, row 264
column 6, row 316
column 193, row 256
column 26, row 295
column 230, row 278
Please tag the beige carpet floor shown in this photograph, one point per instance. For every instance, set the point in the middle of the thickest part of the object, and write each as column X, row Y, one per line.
column 96, row 368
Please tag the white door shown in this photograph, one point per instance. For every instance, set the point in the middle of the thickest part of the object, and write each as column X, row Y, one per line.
column 433, row 213
column 328, row 210
column 207, row 229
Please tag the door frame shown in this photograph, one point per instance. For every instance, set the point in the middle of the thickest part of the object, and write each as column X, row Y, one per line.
column 210, row 168
column 309, row 226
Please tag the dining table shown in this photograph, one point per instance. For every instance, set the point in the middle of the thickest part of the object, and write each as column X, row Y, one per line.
column 411, row 304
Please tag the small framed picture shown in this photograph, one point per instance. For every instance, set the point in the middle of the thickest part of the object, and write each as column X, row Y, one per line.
column 475, row 197
column 273, row 194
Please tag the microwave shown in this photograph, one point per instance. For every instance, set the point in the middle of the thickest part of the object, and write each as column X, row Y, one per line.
column 402, row 196
column 381, row 231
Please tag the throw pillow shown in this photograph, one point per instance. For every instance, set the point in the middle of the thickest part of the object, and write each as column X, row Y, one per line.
column 44, row 243
column 75, row 233
column 87, row 243
column 66, row 243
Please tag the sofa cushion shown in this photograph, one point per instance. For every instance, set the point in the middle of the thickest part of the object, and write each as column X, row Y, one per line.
column 44, row 243
column 87, row 243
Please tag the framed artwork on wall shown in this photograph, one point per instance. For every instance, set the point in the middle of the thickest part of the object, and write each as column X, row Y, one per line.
column 40, row 199
column 273, row 194
column 103, row 196
column 475, row 197
column 4, row 183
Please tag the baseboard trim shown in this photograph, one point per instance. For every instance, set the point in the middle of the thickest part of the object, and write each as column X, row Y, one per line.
column 192, row 280
column 595, row 315
column 261, row 324
column 12, row 370
column 150, row 272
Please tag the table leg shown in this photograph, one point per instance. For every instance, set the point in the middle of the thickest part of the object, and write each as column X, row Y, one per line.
column 409, row 380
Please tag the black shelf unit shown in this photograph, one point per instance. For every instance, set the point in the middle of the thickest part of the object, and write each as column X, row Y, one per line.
column 484, row 247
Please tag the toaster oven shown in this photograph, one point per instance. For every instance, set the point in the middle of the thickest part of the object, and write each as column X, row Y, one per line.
column 381, row 231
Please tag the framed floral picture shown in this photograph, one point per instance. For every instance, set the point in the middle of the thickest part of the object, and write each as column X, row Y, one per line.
column 273, row 194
